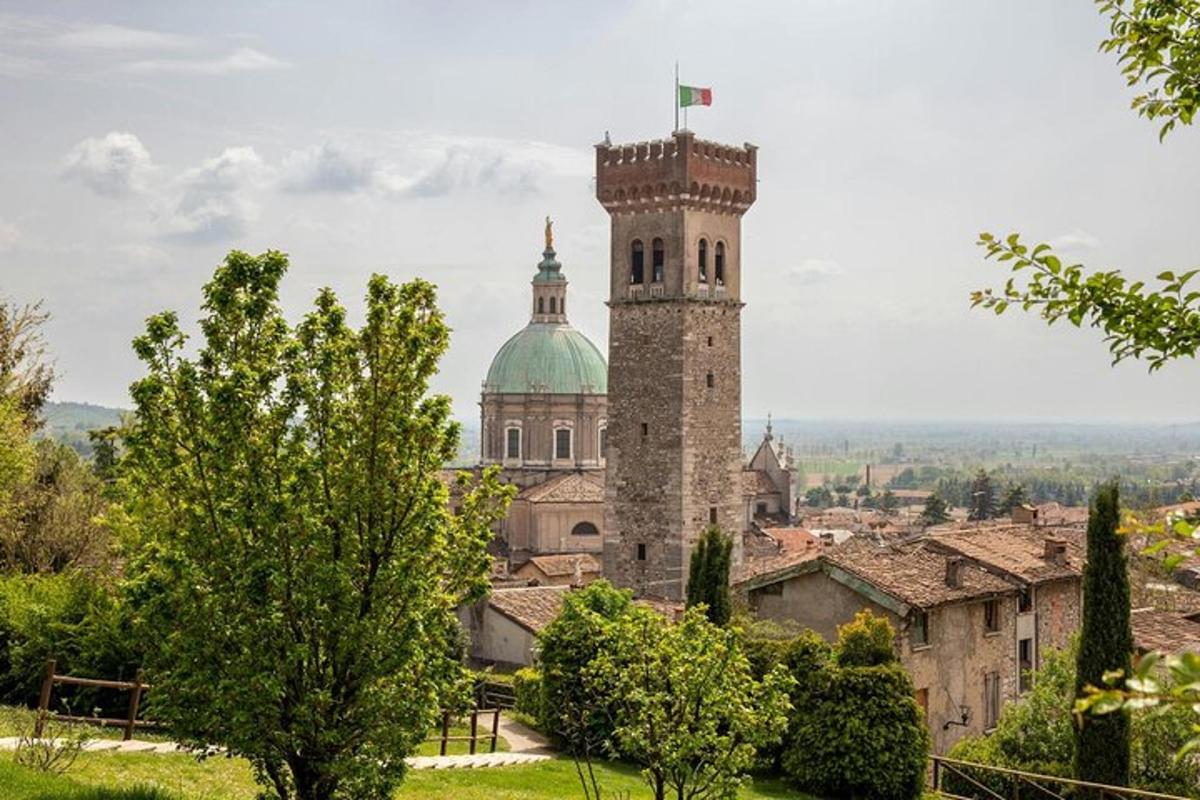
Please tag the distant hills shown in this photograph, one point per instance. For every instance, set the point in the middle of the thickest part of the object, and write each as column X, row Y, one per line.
column 69, row 423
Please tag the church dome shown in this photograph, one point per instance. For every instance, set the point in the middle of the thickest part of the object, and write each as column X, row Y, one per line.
column 548, row 358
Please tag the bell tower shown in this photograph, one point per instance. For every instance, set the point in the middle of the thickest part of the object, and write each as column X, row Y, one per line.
column 674, row 389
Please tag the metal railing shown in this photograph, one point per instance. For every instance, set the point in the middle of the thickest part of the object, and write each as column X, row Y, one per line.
column 1024, row 784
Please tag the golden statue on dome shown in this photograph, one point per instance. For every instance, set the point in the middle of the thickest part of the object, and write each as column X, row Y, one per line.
column 549, row 234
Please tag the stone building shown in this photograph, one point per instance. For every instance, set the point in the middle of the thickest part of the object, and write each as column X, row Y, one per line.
column 544, row 417
column 974, row 609
column 767, row 484
column 674, row 421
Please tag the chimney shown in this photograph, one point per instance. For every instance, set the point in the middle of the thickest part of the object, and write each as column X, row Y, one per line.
column 954, row 571
column 1056, row 552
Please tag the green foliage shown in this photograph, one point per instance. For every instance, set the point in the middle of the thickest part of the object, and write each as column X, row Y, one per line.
column 292, row 551
column 578, row 716
column 25, row 377
column 983, row 498
column 1158, row 44
column 529, row 693
column 867, row 641
column 1160, row 325
column 1036, row 733
column 708, row 575
column 16, row 459
column 859, row 734
column 1015, row 497
column 1105, row 642
column 689, row 710
column 935, row 511
column 68, row 618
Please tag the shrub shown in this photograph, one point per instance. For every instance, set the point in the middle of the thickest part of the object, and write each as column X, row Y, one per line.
column 574, row 715
column 527, row 687
column 867, row 641
column 861, row 734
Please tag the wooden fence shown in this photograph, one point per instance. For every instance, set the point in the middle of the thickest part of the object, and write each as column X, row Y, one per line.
column 998, row 783
column 474, row 738
column 136, row 689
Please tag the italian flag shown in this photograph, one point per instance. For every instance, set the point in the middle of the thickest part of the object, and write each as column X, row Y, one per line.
column 694, row 96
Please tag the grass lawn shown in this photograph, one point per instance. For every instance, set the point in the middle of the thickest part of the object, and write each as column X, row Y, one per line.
column 230, row 779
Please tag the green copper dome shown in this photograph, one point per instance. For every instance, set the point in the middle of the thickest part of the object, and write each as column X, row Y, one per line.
column 548, row 358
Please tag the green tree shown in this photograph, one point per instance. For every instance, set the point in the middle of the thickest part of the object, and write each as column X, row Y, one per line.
column 1158, row 44
column 857, row 731
column 935, row 511
column 866, row 641
column 579, row 716
column 708, row 575
column 1015, row 497
column 983, row 499
column 294, row 556
column 1106, row 642
column 25, row 377
column 689, row 710
column 889, row 502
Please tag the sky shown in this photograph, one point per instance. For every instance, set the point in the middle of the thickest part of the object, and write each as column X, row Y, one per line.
column 141, row 141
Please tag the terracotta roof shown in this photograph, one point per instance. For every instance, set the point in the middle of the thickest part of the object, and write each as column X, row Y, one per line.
column 1058, row 514
column 914, row 575
column 1164, row 631
column 758, row 481
column 1016, row 550
column 1186, row 510
column 768, row 569
column 557, row 566
column 792, row 539
column 532, row 608
column 574, row 487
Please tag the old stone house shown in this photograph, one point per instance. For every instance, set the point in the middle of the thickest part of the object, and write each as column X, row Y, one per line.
column 974, row 609
column 503, row 627
column 565, row 569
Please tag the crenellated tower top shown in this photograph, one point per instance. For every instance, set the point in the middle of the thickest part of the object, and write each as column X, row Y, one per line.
column 682, row 171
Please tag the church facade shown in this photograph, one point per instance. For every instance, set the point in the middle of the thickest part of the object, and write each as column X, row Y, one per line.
column 544, row 419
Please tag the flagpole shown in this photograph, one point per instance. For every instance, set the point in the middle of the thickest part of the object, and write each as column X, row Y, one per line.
column 675, row 101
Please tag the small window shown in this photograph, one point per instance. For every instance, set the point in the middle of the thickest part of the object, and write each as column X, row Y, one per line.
column 712, row 515
column 710, row 341
column 991, row 616
column 658, row 259
column 1025, row 663
column 562, row 306
column 991, row 700
column 637, row 264
column 513, row 444
column 720, row 263
column 704, row 260
column 1025, row 601
column 541, row 305
column 585, row 529
column 710, row 381
column 645, row 429
column 919, row 631
column 552, row 308
column 760, row 509
column 604, row 442
column 562, row 443
column 641, row 552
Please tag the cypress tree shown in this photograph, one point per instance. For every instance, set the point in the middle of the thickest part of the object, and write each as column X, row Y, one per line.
column 1105, row 644
column 983, row 501
column 708, row 575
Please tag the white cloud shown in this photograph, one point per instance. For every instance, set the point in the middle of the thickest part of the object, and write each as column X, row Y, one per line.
column 815, row 270
column 244, row 59
column 213, row 200
column 112, row 165
column 327, row 168
column 118, row 37
column 1074, row 241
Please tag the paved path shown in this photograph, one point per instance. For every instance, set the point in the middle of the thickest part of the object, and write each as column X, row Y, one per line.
column 526, row 746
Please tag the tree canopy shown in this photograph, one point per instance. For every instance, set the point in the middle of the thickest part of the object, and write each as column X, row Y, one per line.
column 295, row 557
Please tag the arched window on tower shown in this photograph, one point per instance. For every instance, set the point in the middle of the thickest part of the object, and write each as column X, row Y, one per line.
column 658, row 259
column 637, row 266
column 541, row 305
column 720, row 263
column 562, row 306
column 704, row 260
column 552, row 309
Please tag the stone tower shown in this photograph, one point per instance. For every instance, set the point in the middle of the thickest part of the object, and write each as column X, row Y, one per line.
column 674, row 390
